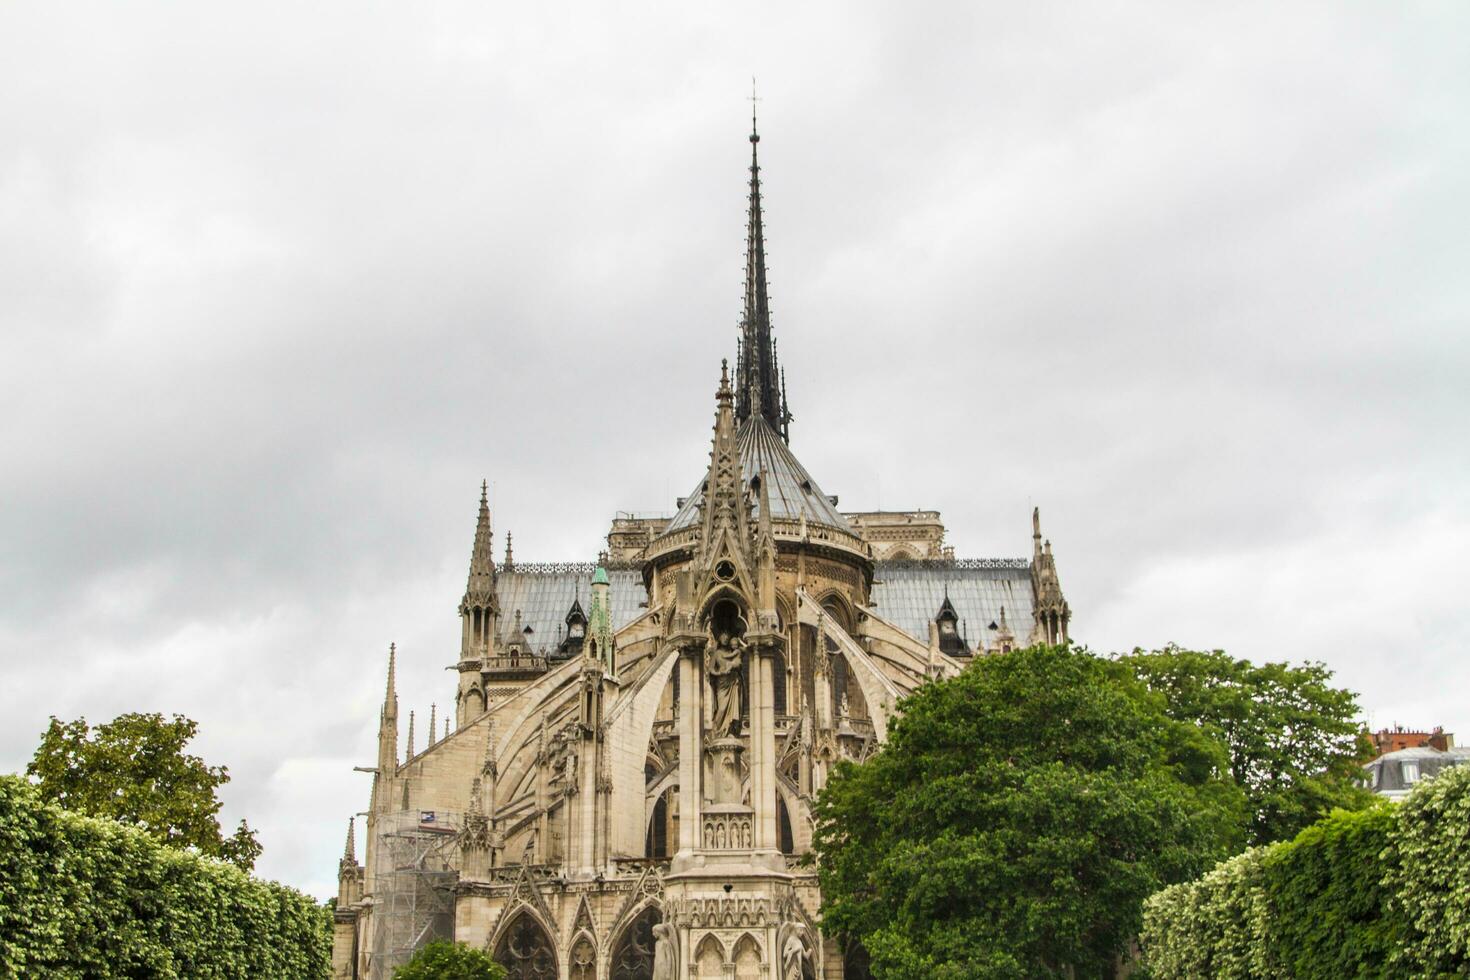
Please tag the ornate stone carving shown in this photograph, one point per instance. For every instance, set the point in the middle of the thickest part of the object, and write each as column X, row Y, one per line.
column 728, row 912
column 729, row 830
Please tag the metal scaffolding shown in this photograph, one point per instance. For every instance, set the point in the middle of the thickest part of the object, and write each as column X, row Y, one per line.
column 412, row 886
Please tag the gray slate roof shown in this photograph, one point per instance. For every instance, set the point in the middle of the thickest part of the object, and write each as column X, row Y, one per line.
column 1386, row 773
column 909, row 594
column 544, row 593
column 792, row 490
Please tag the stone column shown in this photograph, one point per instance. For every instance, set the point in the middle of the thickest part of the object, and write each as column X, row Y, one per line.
column 691, row 743
column 763, row 741
column 344, row 945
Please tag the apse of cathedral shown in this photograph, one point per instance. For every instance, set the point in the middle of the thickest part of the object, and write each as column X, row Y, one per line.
column 625, row 787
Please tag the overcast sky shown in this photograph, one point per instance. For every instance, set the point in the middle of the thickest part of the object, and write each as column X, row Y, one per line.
column 280, row 283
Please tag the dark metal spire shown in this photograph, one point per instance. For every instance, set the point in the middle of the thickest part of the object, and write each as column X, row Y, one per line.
column 758, row 387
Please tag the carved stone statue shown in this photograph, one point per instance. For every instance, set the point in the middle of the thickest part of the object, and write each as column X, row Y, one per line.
column 722, row 658
column 793, row 957
column 665, row 952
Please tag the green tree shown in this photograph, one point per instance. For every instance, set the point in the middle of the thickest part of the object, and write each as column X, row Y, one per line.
column 443, row 960
column 1016, row 819
column 1294, row 740
column 134, row 769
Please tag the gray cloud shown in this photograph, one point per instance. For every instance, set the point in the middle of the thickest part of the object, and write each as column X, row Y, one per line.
column 278, row 286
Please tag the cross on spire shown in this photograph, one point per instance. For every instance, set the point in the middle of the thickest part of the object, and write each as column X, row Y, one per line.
column 754, row 138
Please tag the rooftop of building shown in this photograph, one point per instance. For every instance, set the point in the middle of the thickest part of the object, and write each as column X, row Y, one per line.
column 792, row 491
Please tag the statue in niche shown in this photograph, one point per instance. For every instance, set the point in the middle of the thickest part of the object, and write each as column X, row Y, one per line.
column 723, row 655
column 665, row 953
column 794, row 957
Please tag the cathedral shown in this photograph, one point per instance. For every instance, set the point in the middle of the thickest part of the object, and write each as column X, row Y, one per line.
column 624, row 787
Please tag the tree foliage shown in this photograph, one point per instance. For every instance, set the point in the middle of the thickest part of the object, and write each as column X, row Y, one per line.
column 1215, row 926
column 85, row 897
column 443, row 960
column 1430, row 876
column 1381, row 892
column 1016, row 819
column 134, row 769
column 1329, row 904
column 1294, row 740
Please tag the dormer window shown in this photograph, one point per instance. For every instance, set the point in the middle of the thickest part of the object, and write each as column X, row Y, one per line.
column 1410, row 772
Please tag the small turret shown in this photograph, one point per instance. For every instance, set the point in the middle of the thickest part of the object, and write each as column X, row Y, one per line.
column 576, row 631
column 946, row 623
column 1052, row 614
column 479, row 613
column 599, row 643
column 1005, row 640
column 349, row 873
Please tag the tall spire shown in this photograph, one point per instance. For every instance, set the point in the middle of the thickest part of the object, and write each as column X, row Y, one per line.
column 388, row 720
column 758, row 389
column 481, row 582
column 724, row 496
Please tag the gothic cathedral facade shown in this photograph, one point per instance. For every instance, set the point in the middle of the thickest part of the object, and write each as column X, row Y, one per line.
column 624, row 790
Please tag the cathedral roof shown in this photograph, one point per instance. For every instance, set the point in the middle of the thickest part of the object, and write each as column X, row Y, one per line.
column 906, row 593
column 793, row 493
column 543, row 593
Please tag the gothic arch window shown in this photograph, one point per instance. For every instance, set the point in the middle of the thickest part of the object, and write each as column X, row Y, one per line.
column 632, row 957
column 839, row 677
column 525, row 950
column 835, row 605
column 749, row 965
column 658, row 828
column 783, row 827
column 806, row 651
column 583, row 960
column 709, row 958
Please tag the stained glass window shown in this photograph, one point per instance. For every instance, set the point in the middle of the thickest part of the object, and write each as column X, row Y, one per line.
column 525, row 951
column 633, row 955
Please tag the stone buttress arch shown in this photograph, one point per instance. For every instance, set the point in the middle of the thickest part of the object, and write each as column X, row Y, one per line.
column 630, row 722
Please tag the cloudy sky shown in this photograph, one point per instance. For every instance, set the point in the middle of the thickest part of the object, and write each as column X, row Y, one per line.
column 280, row 283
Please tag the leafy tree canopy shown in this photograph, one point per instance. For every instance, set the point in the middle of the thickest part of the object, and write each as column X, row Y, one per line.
column 1016, row 819
column 442, row 960
column 134, row 769
column 1294, row 740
